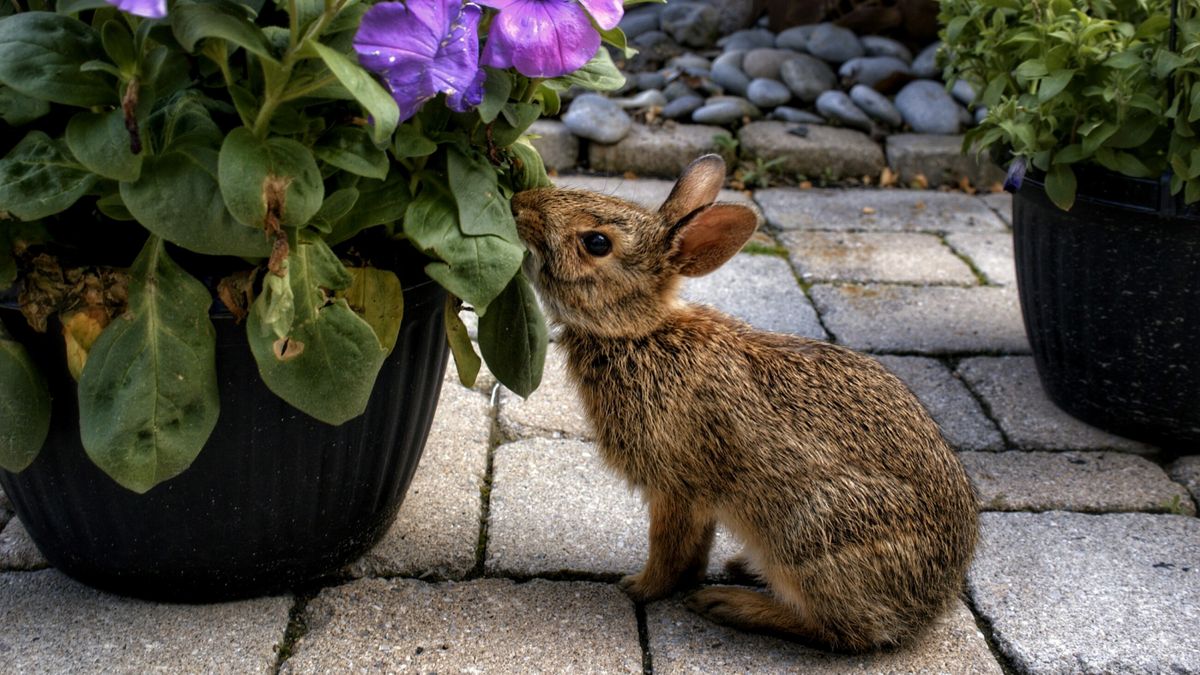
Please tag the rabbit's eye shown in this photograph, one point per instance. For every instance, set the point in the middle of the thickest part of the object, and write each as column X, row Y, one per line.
column 597, row 244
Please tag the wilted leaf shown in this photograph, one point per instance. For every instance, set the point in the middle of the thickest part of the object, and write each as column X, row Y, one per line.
column 376, row 296
column 80, row 331
column 276, row 176
column 466, row 361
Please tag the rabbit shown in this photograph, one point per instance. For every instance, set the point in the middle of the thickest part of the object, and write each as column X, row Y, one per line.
column 850, row 505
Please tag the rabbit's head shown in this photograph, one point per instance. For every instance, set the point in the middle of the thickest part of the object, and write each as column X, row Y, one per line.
column 608, row 267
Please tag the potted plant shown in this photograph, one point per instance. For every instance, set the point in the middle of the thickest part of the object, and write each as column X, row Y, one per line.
column 1100, row 100
column 336, row 174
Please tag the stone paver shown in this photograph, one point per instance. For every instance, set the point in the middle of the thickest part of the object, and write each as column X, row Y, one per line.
column 682, row 642
column 553, row 410
column 948, row 401
column 812, row 151
column 924, row 320
column 53, row 624
column 1076, row 593
column 876, row 210
column 990, row 252
column 648, row 192
column 489, row 625
column 17, row 550
column 555, row 508
column 659, row 151
column 863, row 257
column 761, row 290
column 558, row 147
column 1010, row 389
column 940, row 159
column 1093, row 482
column 1186, row 471
column 437, row 529
column 1001, row 203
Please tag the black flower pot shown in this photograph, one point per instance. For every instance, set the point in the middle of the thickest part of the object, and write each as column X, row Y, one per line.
column 274, row 499
column 1110, row 294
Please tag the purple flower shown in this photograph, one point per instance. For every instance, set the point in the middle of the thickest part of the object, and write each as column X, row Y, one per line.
column 151, row 9
column 423, row 48
column 1016, row 175
column 547, row 38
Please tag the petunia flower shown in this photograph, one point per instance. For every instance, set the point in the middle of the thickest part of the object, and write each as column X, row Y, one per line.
column 547, row 38
column 150, row 9
column 423, row 48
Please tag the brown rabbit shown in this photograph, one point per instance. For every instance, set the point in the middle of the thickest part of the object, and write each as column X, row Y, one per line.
column 850, row 505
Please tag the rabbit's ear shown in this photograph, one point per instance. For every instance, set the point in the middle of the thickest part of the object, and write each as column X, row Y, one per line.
column 703, row 242
column 695, row 189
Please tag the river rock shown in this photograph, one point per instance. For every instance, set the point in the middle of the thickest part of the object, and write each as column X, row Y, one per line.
column 795, row 38
column 651, row 80
column 980, row 114
column 796, row 115
column 870, row 70
column 751, row 38
column 836, row 105
column 730, row 77
column 646, row 99
column 875, row 105
column 682, row 107
column 963, row 92
column 722, row 110
column 597, row 118
column 834, row 43
column 807, row 77
column 641, row 20
column 766, row 62
column 766, row 93
column 877, row 45
column 678, row 89
column 927, row 108
column 925, row 65
column 734, row 14
column 691, row 23
column 654, row 46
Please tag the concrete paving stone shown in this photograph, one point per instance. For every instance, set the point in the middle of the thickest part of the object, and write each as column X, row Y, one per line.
column 17, row 550
column 1001, row 203
column 1186, row 471
column 556, row 508
column 558, row 147
column 761, row 290
column 876, row 210
column 53, row 624
column 1079, row 593
column 554, row 410
column 820, row 152
column 437, row 530
column 1091, row 482
column 990, row 252
column 1011, row 391
column 896, row 257
column 683, row 642
column 661, row 151
column 963, row 423
column 939, row 157
column 484, row 626
column 648, row 192
column 924, row 320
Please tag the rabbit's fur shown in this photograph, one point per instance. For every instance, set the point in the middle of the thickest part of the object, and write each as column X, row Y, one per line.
column 850, row 505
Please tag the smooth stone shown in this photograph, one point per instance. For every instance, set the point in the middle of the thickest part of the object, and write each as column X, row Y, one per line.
column 735, row 14
column 766, row 62
column 678, row 89
column 980, row 114
column 870, row 70
column 692, row 24
column 834, row 43
column 732, row 58
column 795, row 38
column 766, row 93
column 641, row 20
column 876, row 105
column 651, row 81
column 925, row 65
column 597, row 118
column 751, row 38
column 646, row 99
column 807, row 77
column 686, row 62
column 877, row 45
column 730, row 78
column 796, row 116
column 836, row 105
column 725, row 111
column 963, row 92
column 928, row 109
column 654, row 46
column 682, row 107
column 964, row 116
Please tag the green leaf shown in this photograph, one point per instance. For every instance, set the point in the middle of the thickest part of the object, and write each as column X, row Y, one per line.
column 1031, row 69
column 193, row 23
column 178, row 199
column 1070, row 154
column 148, row 393
column 379, row 203
column 112, row 206
column 39, row 178
column 24, row 406
column 482, row 209
column 515, row 120
column 529, row 171
column 334, row 208
column 351, row 149
column 40, row 56
column 410, row 142
column 17, row 109
column 1053, row 84
column 77, row 6
column 1060, row 186
column 376, row 296
column 369, row 93
column 513, row 337
column 100, row 142
column 1166, row 62
column 118, row 44
column 276, row 175
column 616, row 37
column 466, row 361
column 1124, row 60
column 496, row 90
column 327, row 363
column 598, row 74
